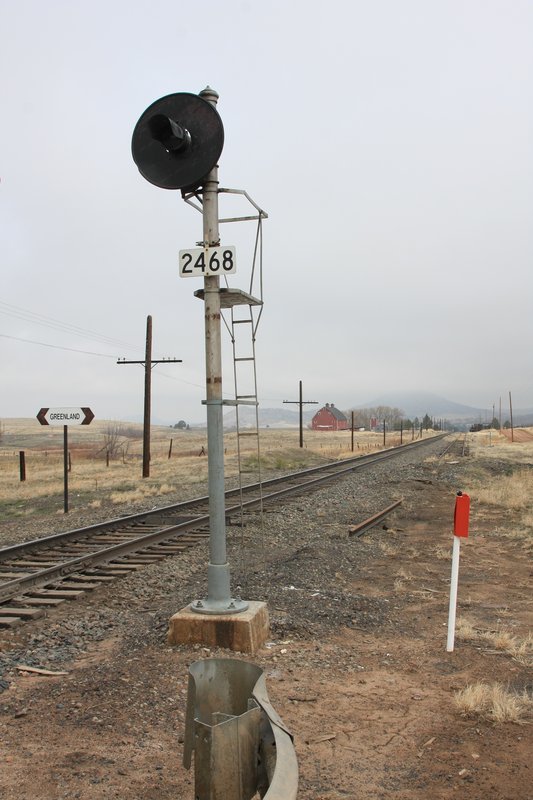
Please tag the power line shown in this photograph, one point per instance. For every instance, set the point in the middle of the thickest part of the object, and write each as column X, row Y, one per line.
column 101, row 355
column 50, row 322
column 56, row 346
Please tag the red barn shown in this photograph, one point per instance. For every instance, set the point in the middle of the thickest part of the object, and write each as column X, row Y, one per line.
column 329, row 418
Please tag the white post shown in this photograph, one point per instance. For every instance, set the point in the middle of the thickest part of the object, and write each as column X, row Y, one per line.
column 453, row 593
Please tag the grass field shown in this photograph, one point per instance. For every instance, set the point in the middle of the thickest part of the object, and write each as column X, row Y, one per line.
column 95, row 480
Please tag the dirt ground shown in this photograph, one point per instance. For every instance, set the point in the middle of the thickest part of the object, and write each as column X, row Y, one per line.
column 369, row 701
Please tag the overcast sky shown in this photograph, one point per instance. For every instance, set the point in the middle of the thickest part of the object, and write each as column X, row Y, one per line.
column 390, row 142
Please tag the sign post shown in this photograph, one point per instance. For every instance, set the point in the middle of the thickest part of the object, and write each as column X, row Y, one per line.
column 460, row 530
column 65, row 417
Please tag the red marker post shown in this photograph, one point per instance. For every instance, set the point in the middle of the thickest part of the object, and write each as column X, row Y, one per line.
column 460, row 531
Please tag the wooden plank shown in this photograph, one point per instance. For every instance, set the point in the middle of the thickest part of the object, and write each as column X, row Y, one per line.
column 9, row 622
column 129, row 567
column 37, row 602
column 8, row 575
column 140, row 561
column 39, row 564
column 66, row 593
column 73, row 588
column 23, row 613
column 39, row 670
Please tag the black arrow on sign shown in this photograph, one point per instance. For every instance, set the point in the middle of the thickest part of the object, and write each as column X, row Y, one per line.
column 41, row 416
column 89, row 416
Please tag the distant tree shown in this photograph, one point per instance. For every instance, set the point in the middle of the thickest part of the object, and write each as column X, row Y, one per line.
column 506, row 424
column 427, row 422
column 181, row 425
column 495, row 424
column 362, row 416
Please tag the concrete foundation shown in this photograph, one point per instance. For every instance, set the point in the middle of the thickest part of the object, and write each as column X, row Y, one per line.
column 245, row 632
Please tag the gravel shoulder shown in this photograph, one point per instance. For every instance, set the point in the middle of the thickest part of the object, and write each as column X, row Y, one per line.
column 356, row 663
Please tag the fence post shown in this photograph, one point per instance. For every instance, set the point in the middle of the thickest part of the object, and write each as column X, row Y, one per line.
column 22, row 458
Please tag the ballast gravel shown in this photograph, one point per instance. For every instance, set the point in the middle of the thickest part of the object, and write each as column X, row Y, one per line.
column 293, row 560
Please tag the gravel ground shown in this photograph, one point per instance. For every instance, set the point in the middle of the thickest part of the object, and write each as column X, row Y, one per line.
column 262, row 559
column 356, row 663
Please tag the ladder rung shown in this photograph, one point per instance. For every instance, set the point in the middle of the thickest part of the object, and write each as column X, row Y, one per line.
column 249, row 433
column 246, row 403
column 241, row 321
column 244, row 358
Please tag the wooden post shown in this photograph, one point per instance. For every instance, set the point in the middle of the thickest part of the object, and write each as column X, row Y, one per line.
column 65, row 468
column 22, row 457
column 511, row 413
column 170, row 449
column 352, row 431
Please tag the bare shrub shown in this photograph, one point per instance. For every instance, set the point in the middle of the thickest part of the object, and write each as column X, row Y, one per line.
column 116, row 442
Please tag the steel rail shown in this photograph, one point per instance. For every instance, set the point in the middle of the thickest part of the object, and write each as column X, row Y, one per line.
column 138, row 544
column 367, row 524
column 338, row 466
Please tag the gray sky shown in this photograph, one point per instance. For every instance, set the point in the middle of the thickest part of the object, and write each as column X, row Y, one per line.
column 391, row 144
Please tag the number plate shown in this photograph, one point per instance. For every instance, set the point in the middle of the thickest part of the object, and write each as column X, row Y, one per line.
column 207, row 261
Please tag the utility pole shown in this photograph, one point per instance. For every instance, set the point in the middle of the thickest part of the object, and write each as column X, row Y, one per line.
column 301, row 403
column 148, row 364
column 511, row 413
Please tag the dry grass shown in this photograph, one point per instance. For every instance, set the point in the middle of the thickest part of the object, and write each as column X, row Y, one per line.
column 500, row 639
column 442, row 553
column 388, row 548
column 508, row 486
column 402, row 578
column 495, row 703
column 92, row 483
column 508, row 491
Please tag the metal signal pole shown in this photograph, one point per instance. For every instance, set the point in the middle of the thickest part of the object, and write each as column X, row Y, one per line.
column 148, row 363
column 301, row 403
column 218, row 600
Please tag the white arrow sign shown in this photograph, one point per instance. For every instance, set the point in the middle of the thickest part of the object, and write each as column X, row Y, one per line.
column 65, row 416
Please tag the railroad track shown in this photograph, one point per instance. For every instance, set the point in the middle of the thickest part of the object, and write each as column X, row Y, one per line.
column 45, row 572
column 457, row 446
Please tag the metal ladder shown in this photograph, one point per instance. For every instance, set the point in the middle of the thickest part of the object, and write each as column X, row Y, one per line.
column 243, row 327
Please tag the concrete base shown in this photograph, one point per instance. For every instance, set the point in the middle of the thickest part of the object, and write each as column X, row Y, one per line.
column 245, row 632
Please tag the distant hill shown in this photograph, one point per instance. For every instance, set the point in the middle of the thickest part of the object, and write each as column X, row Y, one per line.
column 416, row 404
column 413, row 404
column 268, row 417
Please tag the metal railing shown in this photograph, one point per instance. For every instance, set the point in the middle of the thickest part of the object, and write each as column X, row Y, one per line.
column 241, row 747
